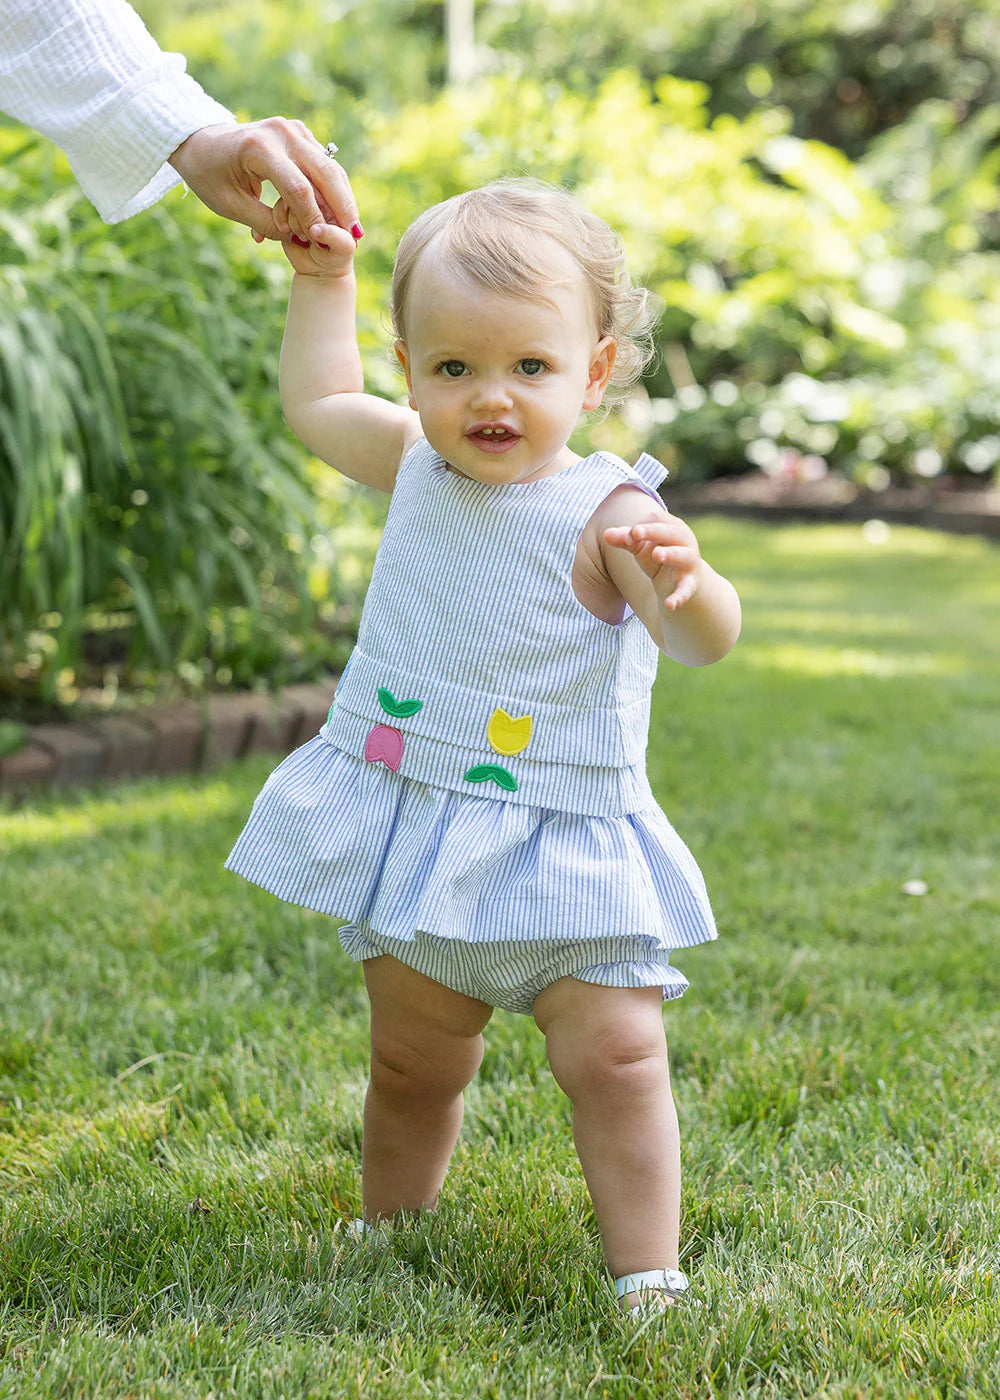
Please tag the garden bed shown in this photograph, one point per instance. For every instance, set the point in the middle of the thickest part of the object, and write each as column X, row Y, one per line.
column 943, row 506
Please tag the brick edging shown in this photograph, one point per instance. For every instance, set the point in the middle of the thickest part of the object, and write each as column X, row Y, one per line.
column 190, row 736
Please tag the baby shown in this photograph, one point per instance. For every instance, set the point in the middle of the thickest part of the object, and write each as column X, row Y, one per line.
column 476, row 806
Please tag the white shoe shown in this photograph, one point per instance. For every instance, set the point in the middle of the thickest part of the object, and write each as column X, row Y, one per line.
column 658, row 1290
column 362, row 1231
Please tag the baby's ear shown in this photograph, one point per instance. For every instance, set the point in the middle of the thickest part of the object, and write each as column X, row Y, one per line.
column 403, row 356
column 602, row 362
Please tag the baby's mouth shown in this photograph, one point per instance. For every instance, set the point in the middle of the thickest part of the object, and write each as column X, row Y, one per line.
column 493, row 437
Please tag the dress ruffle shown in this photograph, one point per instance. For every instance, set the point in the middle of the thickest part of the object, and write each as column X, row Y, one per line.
column 352, row 839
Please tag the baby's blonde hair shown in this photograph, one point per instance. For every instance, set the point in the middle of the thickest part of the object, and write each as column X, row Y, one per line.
column 490, row 234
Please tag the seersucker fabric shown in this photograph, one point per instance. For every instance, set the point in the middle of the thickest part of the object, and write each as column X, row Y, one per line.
column 487, row 621
column 481, row 775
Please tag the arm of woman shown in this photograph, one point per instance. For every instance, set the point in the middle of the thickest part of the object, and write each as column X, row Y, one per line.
column 88, row 74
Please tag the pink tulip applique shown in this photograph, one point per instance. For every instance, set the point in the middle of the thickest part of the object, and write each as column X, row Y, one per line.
column 384, row 745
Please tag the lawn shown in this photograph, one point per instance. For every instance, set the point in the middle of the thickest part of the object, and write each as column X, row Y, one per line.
column 183, row 1059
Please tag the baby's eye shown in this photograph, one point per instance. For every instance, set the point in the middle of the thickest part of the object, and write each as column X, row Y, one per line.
column 452, row 369
column 532, row 368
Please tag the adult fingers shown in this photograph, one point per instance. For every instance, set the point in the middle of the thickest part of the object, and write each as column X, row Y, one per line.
column 331, row 188
column 279, row 223
column 311, row 211
column 313, row 185
column 315, row 193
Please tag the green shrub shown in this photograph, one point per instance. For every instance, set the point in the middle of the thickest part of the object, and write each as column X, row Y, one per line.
column 12, row 737
column 305, row 59
column 144, row 468
column 898, row 380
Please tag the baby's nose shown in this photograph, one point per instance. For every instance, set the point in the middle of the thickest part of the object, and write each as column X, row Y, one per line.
column 491, row 393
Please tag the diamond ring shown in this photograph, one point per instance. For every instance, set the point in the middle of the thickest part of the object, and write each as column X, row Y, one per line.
column 331, row 149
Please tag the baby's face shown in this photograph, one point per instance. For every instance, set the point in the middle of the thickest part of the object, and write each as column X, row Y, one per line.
column 499, row 381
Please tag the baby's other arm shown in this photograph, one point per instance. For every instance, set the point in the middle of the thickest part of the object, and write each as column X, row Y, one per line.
column 691, row 612
column 320, row 375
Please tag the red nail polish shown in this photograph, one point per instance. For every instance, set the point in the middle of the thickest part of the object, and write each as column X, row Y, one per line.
column 357, row 232
column 300, row 241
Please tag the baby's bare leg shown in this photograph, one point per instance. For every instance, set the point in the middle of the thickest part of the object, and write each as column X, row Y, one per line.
column 608, row 1053
column 426, row 1046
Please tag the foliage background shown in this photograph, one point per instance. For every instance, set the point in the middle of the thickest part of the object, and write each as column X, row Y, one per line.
column 811, row 191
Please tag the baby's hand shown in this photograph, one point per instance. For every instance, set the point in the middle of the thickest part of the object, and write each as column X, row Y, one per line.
column 312, row 259
column 667, row 552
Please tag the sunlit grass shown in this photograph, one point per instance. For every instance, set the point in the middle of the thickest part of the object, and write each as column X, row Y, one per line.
column 777, row 621
column 851, row 661
column 183, row 1059
column 29, row 825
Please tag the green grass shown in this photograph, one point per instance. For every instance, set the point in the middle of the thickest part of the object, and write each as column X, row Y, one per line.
column 183, row 1059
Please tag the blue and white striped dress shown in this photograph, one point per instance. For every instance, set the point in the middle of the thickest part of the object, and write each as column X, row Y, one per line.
column 481, row 775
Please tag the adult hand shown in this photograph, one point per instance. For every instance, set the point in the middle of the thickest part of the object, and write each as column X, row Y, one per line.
column 227, row 165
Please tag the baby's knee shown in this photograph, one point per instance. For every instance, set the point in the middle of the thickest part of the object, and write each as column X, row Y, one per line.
column 404, row 1071
column 611, row 1061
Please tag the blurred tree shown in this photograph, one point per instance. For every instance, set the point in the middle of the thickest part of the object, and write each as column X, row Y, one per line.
column 844, row 71
column 307, row 58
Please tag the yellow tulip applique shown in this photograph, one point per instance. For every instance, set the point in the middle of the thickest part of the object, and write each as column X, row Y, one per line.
column 506, row 734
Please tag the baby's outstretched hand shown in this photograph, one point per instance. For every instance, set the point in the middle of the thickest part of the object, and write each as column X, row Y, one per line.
column 332, row 259
column 667, row 552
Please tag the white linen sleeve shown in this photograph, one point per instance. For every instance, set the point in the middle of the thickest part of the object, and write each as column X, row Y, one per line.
column 89, row 75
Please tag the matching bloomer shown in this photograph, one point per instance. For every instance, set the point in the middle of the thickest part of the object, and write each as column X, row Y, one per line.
column 477, row 802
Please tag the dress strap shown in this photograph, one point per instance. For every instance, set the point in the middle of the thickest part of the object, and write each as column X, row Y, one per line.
column 651, row 471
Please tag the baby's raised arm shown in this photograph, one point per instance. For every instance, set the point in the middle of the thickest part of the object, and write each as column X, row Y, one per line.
column 320, row 376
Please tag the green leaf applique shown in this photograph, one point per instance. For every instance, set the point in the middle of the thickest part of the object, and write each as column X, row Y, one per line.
column 492, row 772
column 399, row 709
